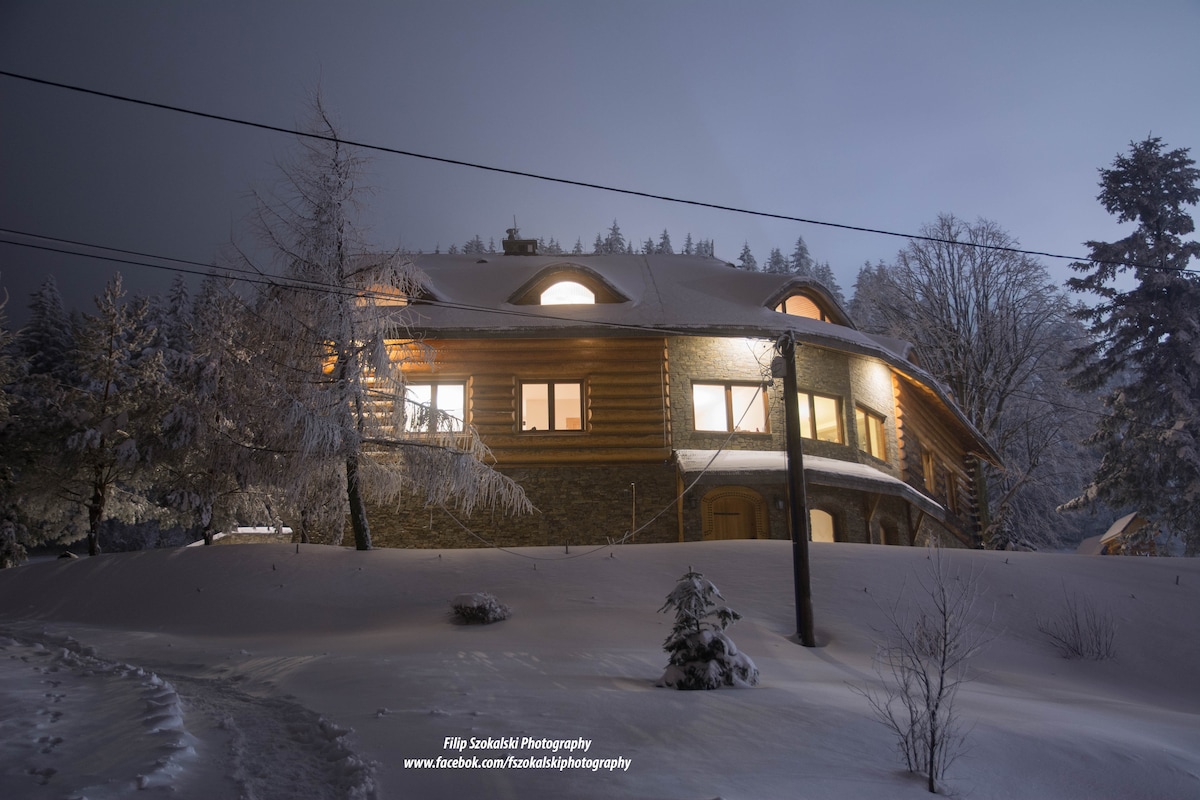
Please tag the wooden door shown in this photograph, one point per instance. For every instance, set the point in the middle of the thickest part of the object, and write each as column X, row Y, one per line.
column 733, row 517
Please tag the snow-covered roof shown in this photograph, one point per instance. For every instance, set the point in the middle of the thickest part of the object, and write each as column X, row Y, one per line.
column 469, row 295
column 817, row 470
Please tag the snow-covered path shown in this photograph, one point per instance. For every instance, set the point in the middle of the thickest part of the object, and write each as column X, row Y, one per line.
column 73, row 725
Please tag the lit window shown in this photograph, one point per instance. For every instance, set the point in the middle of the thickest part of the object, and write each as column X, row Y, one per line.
column 730, row 407
column 434, row 407
column 820, row 526
column 821, row 418
column 566, row 293
column 551, row 406
column 872, row 438
column 799, row 305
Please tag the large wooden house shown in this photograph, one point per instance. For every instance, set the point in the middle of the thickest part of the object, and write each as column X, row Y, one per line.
column 632, row 397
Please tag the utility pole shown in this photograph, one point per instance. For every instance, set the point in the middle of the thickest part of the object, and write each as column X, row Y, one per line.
column 797, row 496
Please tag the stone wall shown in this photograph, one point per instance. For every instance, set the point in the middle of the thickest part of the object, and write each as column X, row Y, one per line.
column 577, row 506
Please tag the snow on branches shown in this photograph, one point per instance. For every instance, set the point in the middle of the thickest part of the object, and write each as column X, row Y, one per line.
column 701, row 655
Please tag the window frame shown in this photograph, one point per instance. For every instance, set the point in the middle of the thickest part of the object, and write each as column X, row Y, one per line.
column 812, row 416
column 431, row 426
column 781, row 307
column 550, row 406
column 730, row 422
column 865, row 435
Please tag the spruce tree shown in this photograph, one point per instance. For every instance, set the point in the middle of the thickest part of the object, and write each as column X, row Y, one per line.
column 664, row 244
column 801, row 261
column 777, row 263
column 746, row 260
column 701, row 655
column 1145, row 348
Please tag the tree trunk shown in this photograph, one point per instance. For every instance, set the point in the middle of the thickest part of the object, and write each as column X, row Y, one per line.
column 358, row 509
column 95, row 515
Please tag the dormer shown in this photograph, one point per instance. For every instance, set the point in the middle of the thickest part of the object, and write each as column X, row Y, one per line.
column 802, row 298
column 567, row 284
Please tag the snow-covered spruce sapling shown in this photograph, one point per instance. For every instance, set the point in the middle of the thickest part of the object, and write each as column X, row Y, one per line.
column 701, row 655
column 479, row 607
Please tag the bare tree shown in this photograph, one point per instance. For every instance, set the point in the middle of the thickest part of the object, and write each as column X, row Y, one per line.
column 988, row 324
column 921, row 662
column 333, row 333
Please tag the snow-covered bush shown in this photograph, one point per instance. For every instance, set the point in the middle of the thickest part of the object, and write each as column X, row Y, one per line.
column 701, row 655
column 480, row 607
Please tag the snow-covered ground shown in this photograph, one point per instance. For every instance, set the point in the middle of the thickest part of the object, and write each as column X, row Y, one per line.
column 259, row 671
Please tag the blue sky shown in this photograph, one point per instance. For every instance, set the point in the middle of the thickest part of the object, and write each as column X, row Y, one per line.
column 873, row 114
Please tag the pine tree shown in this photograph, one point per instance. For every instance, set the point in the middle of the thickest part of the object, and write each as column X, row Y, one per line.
column 689, row 249
column 823, row 274
column 577, row 250
column 746, row 260
column 701, row 655
column 801, row 262
column 474, row 246
column 614, row 243
column 777, row 263
column 664, row 245
column 1145, row 349
column 598, row 246
column 648, row 246
column 46, row 341
column 111, row 424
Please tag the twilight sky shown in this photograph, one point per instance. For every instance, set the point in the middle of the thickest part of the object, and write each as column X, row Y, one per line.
column 874, row 114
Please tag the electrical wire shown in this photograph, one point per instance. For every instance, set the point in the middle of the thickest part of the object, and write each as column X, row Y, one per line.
column 565, row 181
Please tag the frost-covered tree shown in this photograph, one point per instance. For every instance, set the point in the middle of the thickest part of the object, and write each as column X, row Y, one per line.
column 801, row 262
column 746, row 260
column 701, row 655
column 1145, row 347
column 106, row 420
column 46, row 341
column 12, row 532
column 664, row 245
column 689, row 248
column 212, row 473
column 577, row 250
column 823, row 274
column 331, row 333
column 598, row 245
column 777, row 263
column 988, row 324
column 474, row 246
column 870, row 293
column 614, row 242
column 648, row 246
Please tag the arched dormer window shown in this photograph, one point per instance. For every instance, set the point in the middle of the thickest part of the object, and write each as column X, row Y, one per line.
column 567, row 284
column 801, row 305
column 567, row 293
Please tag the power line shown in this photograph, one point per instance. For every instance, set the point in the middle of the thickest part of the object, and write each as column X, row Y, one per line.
column 565, row 181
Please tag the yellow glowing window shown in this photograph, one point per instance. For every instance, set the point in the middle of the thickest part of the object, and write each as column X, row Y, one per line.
column 872, row 437
column 799, row 305
column 729, row 407
column 821, row 527
column 551, row 406
column 821, row 418
column 565, row 293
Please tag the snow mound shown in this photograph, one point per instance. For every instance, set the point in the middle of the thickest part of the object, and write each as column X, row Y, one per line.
column 83, row 726
column 480, row 607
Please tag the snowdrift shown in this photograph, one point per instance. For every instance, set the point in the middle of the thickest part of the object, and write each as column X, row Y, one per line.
column 277, row 671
